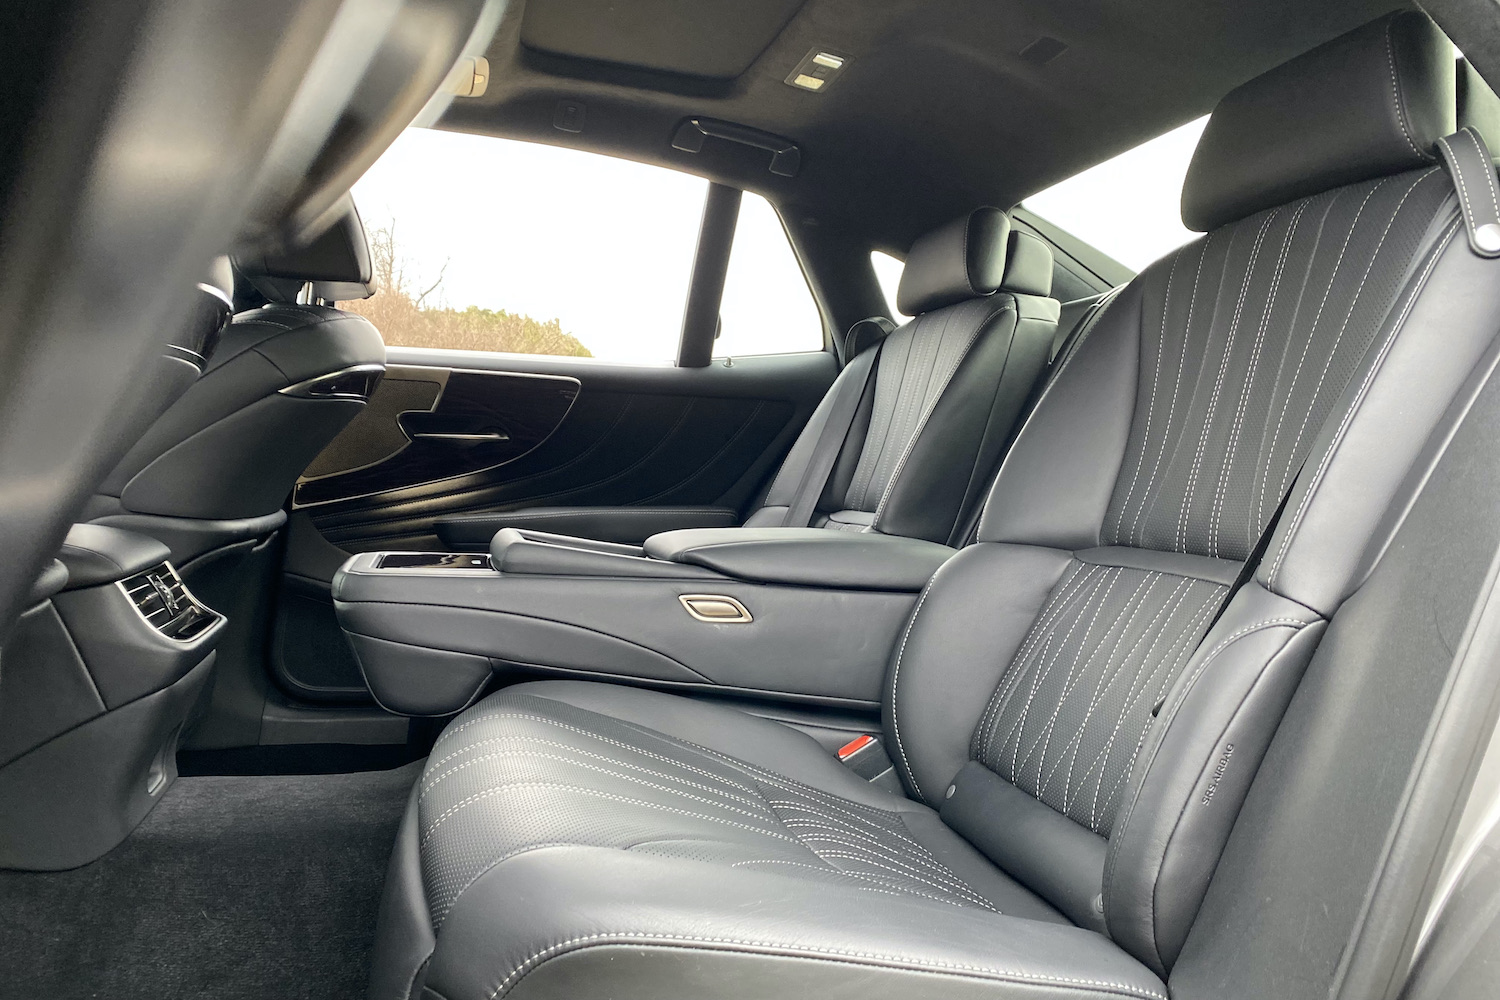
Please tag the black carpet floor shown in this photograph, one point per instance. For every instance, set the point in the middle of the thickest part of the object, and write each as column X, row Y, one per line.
column 233, row 887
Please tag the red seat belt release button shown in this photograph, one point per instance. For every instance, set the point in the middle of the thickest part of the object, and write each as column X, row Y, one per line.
column 854, row 746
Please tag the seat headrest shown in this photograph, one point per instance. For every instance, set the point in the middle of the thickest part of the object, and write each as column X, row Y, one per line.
column 337, row 263
column 961, row 260
column 1369, row 103
column 1028, row 265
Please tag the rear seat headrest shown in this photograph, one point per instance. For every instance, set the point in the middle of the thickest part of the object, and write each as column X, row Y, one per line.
column 1028, row 265
column 1369, row 103
column 337, row 263
column 958, row 261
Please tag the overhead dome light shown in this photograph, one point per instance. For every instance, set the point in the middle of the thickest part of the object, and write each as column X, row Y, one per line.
column 817, row 70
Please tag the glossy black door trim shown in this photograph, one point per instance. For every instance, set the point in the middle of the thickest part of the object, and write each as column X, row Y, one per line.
column 460, row 433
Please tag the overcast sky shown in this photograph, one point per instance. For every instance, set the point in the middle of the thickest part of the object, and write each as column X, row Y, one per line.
column 606, row 245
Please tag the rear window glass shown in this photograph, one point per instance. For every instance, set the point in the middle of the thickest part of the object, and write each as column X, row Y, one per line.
column 1129, row 206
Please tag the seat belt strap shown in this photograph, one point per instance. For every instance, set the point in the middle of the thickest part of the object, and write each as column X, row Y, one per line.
column 1472, row 169
column 842, row 410
column 1252, row 562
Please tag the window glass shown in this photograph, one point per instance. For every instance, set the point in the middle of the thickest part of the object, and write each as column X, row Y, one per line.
column 767, row 307
column 888, row 272
column 1128, row 207
column 489, row 244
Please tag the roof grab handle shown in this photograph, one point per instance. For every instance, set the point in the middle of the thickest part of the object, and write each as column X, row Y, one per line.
column 786, row 157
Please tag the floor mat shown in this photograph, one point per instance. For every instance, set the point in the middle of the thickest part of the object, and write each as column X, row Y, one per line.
column 233, row 887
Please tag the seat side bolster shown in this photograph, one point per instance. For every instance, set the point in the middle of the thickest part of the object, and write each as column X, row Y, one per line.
column 1336, row 520
column 533, row 925
column 403, row 932
column 1195, row 768
column 1046, row 494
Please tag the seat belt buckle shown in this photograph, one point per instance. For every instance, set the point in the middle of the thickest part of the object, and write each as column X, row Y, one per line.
column 865, row 756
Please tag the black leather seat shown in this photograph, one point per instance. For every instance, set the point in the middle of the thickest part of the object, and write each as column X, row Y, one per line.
column 948, row 388
column 1074, row 720
column 216, row 467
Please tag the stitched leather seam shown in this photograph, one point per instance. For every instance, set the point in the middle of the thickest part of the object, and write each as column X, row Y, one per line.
column 896, row 680
column 811, row 951
column 1213, row 400
column 1338, row 437
column 1291, row 462
column 584, row 790
column 880, row 880
column 1489, row 170
column 1396, row 101
column 1166, row 720
column 1463, row 188
column 911, row 442
column 1147, row 501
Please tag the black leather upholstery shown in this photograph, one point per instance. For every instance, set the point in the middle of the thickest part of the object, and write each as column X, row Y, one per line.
column 94, row 553
column 961, row 260
column 806, row 556
column 1366, row 104
column 1028, row 265
column 337, row 264
column 1059, row 695
column 949, row 387
column 233, row 444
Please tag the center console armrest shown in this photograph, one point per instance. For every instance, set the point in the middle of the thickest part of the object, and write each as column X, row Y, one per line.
column 538, row 553
column 809, row 557
column 95, row 554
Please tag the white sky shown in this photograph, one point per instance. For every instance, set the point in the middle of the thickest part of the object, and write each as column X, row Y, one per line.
column 602, row 244
column 606, row 245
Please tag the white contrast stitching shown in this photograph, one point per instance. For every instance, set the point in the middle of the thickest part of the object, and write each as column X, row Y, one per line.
column 814, row 951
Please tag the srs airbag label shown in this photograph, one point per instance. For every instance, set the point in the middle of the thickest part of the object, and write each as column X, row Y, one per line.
column 1219, row 769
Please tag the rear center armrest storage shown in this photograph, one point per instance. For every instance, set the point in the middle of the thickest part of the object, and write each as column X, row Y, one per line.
column 805, row 615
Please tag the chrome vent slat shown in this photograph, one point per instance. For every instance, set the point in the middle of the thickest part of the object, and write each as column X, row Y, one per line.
column 164, row 602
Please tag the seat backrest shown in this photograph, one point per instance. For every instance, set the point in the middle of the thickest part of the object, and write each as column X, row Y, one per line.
column 1055, row 694
column 282, row 381
column 947, row 390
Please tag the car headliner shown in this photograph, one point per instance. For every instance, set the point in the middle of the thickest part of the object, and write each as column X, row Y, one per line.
column 937, row 110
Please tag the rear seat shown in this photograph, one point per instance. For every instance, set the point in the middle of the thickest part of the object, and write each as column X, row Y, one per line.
column 930, row 424
column 1082, row 697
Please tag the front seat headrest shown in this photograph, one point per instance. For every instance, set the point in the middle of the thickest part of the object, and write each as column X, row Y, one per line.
column 213, row 306
column 961, row 260
column 337, row 264
column 1369, row 103
column 1028, row 265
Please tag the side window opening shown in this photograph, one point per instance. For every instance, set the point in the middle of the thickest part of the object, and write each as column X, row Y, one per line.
column 767, row 306
column 498, row 245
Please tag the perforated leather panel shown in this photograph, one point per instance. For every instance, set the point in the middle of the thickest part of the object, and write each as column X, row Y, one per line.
column 1070, row 714
column 524, row 773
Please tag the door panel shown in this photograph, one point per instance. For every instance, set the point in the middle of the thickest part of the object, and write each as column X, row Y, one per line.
column 628, row 435
column 539, row 430
column 424, row 425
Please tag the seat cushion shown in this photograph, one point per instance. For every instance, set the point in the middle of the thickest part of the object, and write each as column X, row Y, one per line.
column 558, row 819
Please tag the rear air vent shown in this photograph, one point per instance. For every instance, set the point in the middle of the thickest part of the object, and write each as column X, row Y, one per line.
column 166, row 605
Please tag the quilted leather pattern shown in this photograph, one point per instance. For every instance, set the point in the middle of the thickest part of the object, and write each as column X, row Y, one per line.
column 1249, row 337
column 1068, row 718
column 521, row 773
